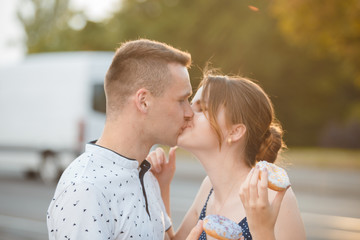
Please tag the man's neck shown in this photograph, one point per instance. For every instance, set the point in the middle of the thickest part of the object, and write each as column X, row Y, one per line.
column 127, row 140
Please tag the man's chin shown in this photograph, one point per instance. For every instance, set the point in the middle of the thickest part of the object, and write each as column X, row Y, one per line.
column 181, row 141
column 168, row 142
column 183, row 135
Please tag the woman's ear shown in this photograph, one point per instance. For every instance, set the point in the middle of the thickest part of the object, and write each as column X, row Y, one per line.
column 237, row 132
column 142, row 99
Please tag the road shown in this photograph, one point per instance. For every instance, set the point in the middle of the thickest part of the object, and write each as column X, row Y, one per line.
column 329, row 201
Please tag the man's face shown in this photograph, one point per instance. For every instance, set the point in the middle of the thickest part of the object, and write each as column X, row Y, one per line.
column 172, row 111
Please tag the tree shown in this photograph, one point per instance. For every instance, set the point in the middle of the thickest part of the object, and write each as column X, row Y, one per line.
column 239, row 40
column 307, row 92
column 52, row 26
column 326, row 27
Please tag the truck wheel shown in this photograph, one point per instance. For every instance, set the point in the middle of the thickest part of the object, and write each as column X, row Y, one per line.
column 49, row 169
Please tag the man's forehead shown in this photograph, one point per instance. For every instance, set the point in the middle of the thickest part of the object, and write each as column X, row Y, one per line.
column 185, row 93
column 186, row 88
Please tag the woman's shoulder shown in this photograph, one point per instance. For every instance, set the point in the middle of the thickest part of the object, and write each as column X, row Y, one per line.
column 289, row 221
column 202, row 194
column 205, row 187
column 206, row 183
column 290, row 202
column 289, row 197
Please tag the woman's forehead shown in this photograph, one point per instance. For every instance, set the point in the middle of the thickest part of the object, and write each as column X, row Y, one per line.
column 197, row 95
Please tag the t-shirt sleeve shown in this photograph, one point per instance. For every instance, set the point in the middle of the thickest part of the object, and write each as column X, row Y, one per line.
column 167, row 219
column 80, row 212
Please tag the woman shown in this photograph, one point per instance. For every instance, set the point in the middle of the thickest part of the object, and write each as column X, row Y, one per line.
column 233, row 127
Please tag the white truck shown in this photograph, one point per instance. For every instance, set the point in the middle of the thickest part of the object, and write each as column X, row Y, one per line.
column 51, row 104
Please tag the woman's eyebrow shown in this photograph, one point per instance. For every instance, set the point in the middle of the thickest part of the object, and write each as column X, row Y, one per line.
column 205, row 103
column 196, row 102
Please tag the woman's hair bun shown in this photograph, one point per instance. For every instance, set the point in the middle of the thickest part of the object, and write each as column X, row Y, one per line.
column 272, row 144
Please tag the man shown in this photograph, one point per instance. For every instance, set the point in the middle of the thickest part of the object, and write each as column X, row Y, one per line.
column 108, row 192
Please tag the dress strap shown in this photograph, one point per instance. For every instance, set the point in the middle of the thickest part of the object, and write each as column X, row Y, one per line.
column 203, row 215
column 203, row 211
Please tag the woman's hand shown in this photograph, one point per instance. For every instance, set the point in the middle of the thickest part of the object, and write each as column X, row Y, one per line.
column 261, row 215
column 196, row 231
column 162, row 169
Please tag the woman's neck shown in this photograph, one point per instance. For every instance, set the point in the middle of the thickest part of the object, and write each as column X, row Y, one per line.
column 227, row 169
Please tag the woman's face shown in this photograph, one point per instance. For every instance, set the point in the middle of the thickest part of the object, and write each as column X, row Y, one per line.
column 199, row 135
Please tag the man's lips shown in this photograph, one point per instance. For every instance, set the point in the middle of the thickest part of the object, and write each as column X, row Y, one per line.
column 188, row 125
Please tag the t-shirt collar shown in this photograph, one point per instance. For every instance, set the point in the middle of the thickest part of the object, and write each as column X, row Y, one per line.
column 111, row 155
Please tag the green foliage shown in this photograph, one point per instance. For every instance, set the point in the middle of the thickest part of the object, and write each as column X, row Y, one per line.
column 308, row 92
column 46, row 26
column 326, row 27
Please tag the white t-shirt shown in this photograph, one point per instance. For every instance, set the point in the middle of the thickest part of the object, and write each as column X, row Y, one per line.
column 100, row 196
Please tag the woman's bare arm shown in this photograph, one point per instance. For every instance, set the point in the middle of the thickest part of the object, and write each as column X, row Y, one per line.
column 191, row 217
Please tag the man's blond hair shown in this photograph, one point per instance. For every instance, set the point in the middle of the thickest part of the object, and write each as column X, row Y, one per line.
column 140, row 64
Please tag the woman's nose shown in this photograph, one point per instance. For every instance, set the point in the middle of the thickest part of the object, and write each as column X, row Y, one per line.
column 189, row 113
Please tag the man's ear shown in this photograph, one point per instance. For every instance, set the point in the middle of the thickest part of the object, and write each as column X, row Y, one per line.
column 237, row 132
column 142, row 99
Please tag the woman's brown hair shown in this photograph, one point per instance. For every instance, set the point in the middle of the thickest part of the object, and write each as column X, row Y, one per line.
column 244, row 102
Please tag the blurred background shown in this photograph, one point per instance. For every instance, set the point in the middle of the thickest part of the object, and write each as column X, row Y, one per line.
column 304, row 53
